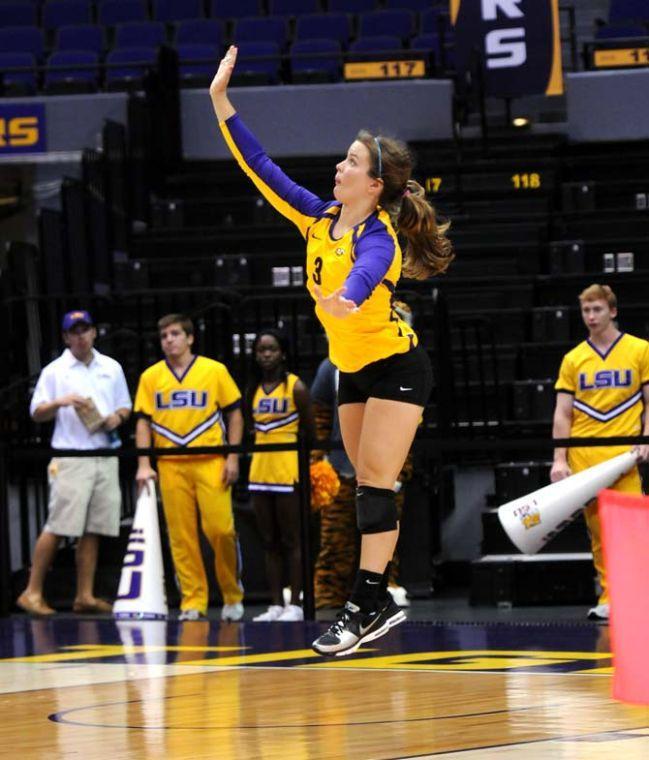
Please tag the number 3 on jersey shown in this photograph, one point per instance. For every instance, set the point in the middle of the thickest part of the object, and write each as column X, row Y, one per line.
column 317, row 271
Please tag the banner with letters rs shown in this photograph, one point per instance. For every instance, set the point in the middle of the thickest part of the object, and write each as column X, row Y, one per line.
column 517, row 43
column 22, row 128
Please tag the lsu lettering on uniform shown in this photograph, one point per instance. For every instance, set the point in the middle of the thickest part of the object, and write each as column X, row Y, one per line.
column 276, row 420
column 187, row 411
column 607, row 390
column 367, row 259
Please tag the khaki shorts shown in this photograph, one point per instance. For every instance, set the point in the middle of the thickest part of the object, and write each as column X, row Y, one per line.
column 84, row 496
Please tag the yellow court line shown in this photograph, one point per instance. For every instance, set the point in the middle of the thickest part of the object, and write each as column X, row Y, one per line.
column 103, row 651
column 247, row 659
column 470, row 660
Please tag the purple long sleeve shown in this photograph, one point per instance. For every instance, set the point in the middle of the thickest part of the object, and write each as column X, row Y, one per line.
column 292, row 200
column 374, row 254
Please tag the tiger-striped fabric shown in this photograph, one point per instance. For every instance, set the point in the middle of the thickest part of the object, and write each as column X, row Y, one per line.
column 339, row 553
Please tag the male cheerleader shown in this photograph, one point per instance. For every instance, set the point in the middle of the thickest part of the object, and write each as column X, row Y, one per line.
column 602, row 389
column 184, row 399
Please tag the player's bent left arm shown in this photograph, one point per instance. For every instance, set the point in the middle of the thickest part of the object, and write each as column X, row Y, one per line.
column 374, row 256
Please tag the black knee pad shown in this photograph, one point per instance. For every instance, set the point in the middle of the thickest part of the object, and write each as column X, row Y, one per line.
column 376, row 509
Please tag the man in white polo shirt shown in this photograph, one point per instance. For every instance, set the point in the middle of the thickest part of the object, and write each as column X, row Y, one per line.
column 84, row 492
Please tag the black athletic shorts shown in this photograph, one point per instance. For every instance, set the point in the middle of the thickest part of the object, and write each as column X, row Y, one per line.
column 401, row 377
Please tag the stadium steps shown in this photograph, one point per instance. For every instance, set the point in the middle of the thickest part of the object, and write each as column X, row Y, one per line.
column 511, row 580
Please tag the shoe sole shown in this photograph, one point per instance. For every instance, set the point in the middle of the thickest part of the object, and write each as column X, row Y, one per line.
column 395, row 620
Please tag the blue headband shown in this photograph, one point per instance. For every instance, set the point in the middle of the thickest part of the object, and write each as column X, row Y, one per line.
column 379, row 157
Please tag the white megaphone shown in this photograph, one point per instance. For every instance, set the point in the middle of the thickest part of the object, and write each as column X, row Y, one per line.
column 141, row 593
column 533, row 520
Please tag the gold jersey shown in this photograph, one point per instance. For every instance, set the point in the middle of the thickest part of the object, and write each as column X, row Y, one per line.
column 187, row 410
column 366, row 259
column 276, row 420
column 607, row 391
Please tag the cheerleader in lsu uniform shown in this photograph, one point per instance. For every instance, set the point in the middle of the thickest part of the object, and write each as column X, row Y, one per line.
column 353, row 264
column 277, row 405
column 186, row 401
column 602, row 391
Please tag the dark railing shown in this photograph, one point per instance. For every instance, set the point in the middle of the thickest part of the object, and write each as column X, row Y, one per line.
column 23, row 469
column 18, row 465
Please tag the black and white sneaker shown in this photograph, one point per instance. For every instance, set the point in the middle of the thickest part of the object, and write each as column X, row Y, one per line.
column 353, row 628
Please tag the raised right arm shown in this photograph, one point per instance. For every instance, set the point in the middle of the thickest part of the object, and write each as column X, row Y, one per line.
column 292, row 200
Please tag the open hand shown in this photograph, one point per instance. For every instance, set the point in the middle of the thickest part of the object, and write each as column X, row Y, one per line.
column 335, row 303
column 221, row 79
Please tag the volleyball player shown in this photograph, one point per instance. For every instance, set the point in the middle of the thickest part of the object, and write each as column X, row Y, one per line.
column 353, row 263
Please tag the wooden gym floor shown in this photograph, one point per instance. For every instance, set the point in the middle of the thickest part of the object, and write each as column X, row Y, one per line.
column 95, row 688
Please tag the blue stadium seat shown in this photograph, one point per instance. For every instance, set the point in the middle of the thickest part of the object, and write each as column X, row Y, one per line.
column 18, row 14
column 197, row 73
column 397, row 23
column 112, row 12
column 427, row 43
column 199, row 31
column 431, row 46
column 224, row 9
column 618, row 30
column 261, row 29
column 148, row 34
column 22, row 39
column 410, row 5
column 57, row 13
column 430, row 20
column 18, row 83
column 315, row 61
column 262, row 71
column 628, row 10
column 135, row 62
column 293, row 7
column 177, row 10
column 352, row 6
column 72, row 80
column 376, row 47
column 317, row 26
column 82, row 37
